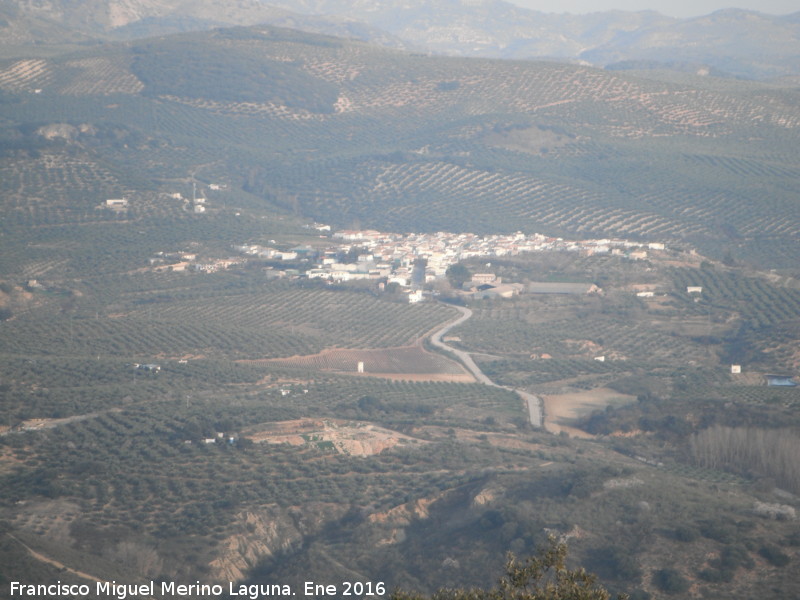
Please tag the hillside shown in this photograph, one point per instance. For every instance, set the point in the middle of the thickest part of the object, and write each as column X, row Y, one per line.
column 730, row 43
column 53, row 21
column 182, row 402
column 738, row 43
column 434, row 143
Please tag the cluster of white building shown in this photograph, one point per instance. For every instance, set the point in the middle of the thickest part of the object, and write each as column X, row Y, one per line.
column 259, row 251
column 178, row 262
column 409, row 260
column 415, row 258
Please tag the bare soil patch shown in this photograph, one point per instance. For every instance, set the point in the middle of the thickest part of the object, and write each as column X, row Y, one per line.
column 356, row 438
column 530, row 140
column 563, row 409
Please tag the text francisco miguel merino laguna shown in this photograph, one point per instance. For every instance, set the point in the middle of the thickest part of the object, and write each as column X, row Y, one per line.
column 122, row 591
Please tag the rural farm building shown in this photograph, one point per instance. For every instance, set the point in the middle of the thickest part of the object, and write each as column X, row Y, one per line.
column 485, row 279
column 506, row 290
column 780, row 381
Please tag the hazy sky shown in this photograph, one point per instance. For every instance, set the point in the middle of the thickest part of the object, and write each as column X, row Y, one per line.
column 673, row 8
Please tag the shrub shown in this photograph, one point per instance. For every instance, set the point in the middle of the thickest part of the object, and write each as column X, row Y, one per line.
column 719, row 531
column 541, row 577
column 685, row 533
column 774, row 555
column 670, row 581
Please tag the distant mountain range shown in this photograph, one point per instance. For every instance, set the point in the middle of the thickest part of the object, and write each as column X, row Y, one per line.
column 735, row 43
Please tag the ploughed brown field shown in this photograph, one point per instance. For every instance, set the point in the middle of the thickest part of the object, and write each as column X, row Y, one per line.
column 407, row 362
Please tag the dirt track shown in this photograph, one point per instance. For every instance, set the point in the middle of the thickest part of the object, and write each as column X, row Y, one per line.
column 534, row 403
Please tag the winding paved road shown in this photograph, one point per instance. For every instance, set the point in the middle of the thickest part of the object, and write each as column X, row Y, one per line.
column 534, row 402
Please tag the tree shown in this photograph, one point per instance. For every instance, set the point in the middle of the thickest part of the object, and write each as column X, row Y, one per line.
column 728, row 259
column 541, row 577
column 458, row 274
column 670, row 581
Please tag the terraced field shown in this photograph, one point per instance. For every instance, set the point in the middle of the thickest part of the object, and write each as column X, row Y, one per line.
column 760, row 303
column 69, row 182
column 278, row 321
column 25, row 75
column 522, row 329
column 442, row 193
column 102, row 76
